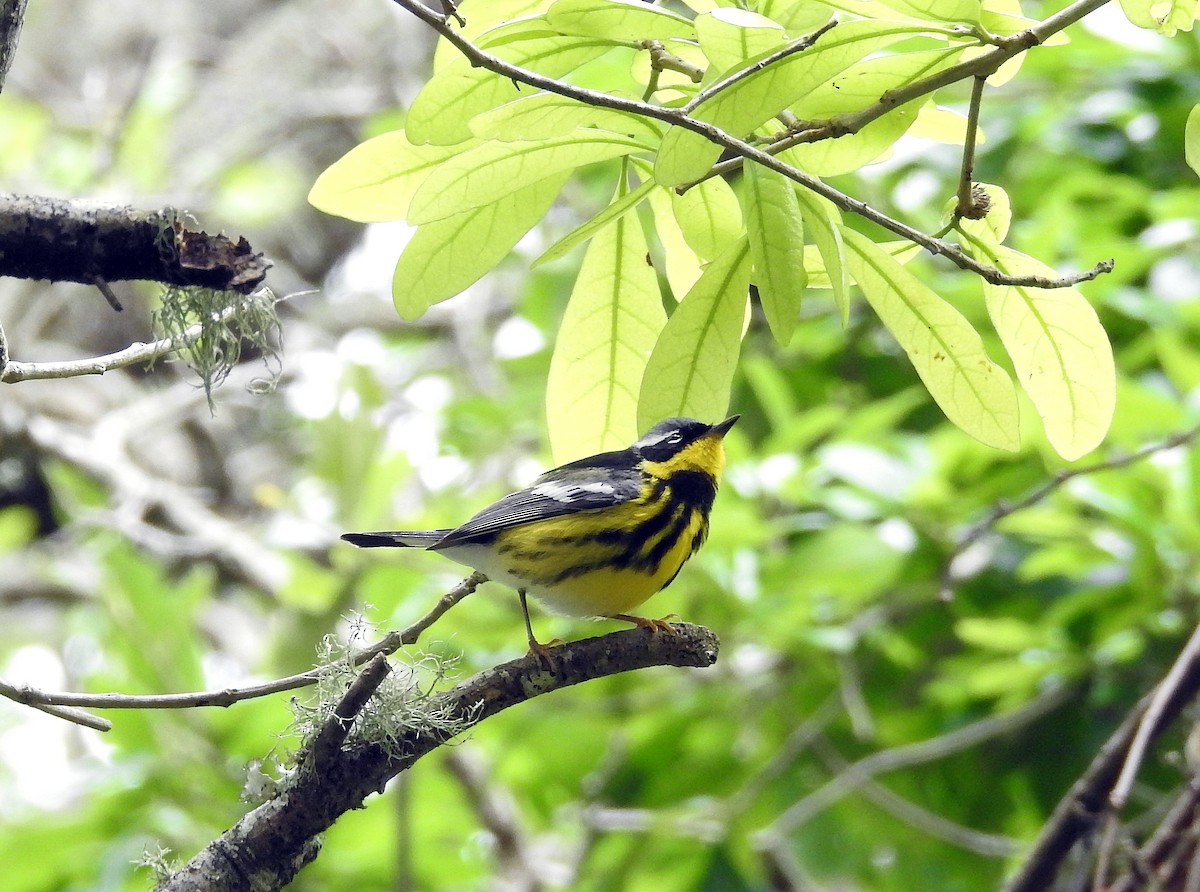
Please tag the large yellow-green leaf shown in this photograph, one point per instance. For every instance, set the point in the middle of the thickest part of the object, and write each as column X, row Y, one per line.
column 709, row 217
column 680, row 264
column 618, row 20
column 974, row 392
column 765, row 92
column 445, row 257
column 938, row 10
column 377, row 179
column 1059, row 350
column 691, row 369
column 612, row 321
column 619, row 207
column 901, row 250
column 490, row 171
column 546, row 115
column 441, row 111
column 776, row 232
column 823, row 223
column 858, row 87
column 1164, row 16
column 729, row 36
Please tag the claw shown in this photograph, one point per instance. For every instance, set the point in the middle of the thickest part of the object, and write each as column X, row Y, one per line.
column 644, row 622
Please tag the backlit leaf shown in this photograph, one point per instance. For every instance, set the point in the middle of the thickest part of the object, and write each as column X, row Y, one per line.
column 761, row 94
column 776, row 232
column 612, row 321
column 691, row 369
column 488, row 172
column 1059, row 350
column 618, row 208
column 823, row 224
column 618, row 20
column 729, row 36
column 376, row 180
column 441, row 112
column 446, row 256
column 546, row 115
column 974, row 392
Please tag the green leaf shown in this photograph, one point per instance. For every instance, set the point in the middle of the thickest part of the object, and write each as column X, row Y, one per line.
column 761, row 94
column 709, row 216
column 547, row 115
column 618, row 20
column 938, row 10
column 446, row 256
column 691, row 369
column 860, row 86
column 612, row 321
column 680, row 264
column 484, row 17
column 1166, row 18
column 1059, row 350
column 729, row 36
column 823, row 223
column 614, row 211
column 488, row 172
column 1191, row 139
column 776, row 232
column 376, row 180
column 974, row 392
column 1005, row 634
column 441, row 112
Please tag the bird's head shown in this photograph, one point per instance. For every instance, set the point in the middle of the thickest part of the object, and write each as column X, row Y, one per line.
column 678, row 444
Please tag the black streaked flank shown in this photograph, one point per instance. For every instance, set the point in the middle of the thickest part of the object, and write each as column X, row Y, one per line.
column 668, row 541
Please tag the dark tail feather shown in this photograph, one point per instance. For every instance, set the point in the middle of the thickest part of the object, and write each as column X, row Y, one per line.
column 396, row 538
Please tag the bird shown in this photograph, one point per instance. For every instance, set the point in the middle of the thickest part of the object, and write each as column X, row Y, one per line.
column 594, row 537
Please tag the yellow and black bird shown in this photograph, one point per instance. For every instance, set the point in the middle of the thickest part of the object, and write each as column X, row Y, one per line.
column 597, row 536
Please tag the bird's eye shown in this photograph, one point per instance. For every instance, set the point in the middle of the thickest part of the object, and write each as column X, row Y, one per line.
column 675, row 438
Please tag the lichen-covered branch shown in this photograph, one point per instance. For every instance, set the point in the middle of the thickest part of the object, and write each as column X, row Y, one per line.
column 67, row 241
column 266, row 848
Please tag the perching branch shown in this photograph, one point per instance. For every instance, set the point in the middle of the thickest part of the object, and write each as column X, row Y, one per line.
column 679, row 118
column 971, row 205
column 64, row 241
column 267, row 847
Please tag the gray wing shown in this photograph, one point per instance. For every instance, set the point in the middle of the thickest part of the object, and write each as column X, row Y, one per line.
column 563, row 491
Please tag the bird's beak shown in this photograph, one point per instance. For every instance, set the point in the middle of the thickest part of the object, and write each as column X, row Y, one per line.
column 722, row 428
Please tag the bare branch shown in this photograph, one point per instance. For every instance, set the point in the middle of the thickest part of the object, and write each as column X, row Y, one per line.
column 333, row 734
column 273, row 842
column 737, row 77
column 968, row 204
column 1077, row 814
column 64, row 241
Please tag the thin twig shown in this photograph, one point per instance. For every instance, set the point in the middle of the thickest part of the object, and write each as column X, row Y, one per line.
column 1002, row 510
column 390, row 643
column 967, row 206
column 737, row 77
column 679, row 118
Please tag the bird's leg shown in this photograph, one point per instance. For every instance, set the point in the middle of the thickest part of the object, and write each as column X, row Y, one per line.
column 644, row 622
column 539, row 650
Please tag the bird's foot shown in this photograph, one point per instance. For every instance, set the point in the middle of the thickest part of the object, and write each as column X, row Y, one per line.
column 544, row 653
column 644, row 622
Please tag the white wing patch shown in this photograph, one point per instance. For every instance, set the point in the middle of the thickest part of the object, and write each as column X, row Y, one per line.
column 569, row 492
